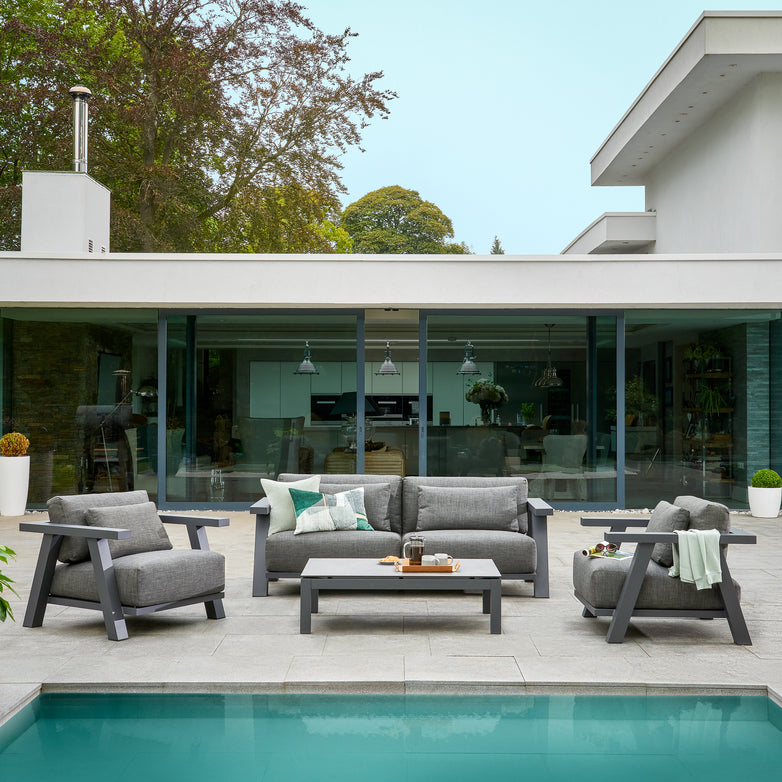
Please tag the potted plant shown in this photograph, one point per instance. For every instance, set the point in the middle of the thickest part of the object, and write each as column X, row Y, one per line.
column 528, row 412
column 5, row 583
column 765, row 494
column 489, row 396
column 14, row 473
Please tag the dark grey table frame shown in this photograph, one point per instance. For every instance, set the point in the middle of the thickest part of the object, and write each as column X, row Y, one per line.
column 367, row 574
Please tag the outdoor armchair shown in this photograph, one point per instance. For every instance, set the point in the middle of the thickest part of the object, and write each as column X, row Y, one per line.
column 640, row 586
column 115, row 557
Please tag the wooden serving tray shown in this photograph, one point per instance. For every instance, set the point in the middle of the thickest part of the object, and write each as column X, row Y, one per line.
column 404, row 566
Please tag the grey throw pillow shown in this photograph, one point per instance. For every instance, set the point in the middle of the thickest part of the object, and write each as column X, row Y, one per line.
column 377, row 497
column 491, row 508
column 705, row 514
column 147, row 530
column 666, row 518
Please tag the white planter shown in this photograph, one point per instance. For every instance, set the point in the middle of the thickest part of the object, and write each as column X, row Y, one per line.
column 14, row 479
column 764, row 503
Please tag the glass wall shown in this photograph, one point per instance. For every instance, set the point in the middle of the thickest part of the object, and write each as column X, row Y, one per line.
column 528, row 395
column 702, row 402
column 82, row 386
column 240, row 406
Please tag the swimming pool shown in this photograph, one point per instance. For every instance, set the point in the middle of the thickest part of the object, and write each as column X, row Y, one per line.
column 287, row 738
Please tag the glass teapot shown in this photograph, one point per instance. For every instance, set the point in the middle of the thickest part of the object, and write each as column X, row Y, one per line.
column 415, row 543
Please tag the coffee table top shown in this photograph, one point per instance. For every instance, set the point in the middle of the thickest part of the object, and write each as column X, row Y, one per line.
column 324, row 568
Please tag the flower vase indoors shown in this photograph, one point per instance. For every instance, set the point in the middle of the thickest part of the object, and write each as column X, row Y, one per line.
column 765, row 494
column 14, row 473
column 488, row 396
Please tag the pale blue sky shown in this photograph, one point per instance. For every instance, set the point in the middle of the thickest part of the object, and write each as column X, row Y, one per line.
column 502, row 104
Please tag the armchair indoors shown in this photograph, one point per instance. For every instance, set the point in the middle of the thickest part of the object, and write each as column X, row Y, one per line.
column 640, row 586
column 115, row 557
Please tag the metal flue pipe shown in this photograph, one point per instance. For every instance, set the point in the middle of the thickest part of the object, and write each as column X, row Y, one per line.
column 81, row 96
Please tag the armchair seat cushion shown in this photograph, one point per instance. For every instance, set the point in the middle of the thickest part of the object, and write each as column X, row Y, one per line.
column 286, row 554
column 511, row 552
column 600, row 580
column 149, row 578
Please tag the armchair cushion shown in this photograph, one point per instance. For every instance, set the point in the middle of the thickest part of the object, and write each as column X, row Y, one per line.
column 494, row 508
column 666, row 518
column 147, row 579
column 599, row 580
column 72, row 510
column 148, row 532
column 282, row 515
column 376, row 501
column 705, row 514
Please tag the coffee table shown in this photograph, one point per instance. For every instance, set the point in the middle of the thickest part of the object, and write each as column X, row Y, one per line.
column 368, row 574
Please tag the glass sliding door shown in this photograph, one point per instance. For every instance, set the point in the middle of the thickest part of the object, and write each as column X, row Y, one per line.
column 82, row 386
column 529, row 395
column 702, row 401
column 252, row 396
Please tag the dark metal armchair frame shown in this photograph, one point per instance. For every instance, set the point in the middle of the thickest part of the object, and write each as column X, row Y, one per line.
column 645, row 541
column 98, row 538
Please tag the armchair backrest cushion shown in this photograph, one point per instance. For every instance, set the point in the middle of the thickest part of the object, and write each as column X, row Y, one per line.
column 72, row 510
column 412, row 482
column 379, row 518
column 705, row 514
column 147, row 530
column 666, row 518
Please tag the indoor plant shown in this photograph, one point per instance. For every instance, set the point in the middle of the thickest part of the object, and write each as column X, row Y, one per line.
column 488, row 396
column 528, row 412
column 14, row 473
column 5, row 583
column 765, row 494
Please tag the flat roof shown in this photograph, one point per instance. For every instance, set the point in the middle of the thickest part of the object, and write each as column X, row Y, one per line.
column 721, row 54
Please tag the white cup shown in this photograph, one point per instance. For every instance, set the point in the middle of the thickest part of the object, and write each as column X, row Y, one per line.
column 441, row 559
column 428, row 559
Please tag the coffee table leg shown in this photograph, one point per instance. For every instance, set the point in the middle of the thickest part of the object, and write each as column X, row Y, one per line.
column 305, row 615
column 495, row 616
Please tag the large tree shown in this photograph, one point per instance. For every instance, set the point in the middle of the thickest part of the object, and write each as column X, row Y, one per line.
column 211, row 120
column 395, row 220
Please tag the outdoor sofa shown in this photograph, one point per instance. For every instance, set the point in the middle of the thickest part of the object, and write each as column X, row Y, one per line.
column 466, row 517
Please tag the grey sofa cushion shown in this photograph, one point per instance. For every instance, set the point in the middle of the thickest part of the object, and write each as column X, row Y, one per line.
column 452, row 507
column 599, row 580
column 288, row 553
column 705, row 514
column 72, row 509
column 148, row 579
column 147, row 530
column 410, row 494
column 376, row 500
column 666, row 518
column 351, row 481
column 512, row 553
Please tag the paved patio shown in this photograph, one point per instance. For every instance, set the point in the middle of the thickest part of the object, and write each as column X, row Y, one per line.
column 398, row 642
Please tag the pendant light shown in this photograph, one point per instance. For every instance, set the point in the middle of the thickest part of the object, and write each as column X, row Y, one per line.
column 468, row 366
column 548, row 378
column 306, row 367
column 387, row 367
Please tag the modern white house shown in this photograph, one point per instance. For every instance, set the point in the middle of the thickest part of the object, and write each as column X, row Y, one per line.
column 643, row 362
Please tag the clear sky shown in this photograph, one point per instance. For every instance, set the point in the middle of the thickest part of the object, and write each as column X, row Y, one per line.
column 503, row 103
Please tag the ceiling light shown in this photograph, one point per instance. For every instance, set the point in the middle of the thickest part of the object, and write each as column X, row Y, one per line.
column 548, row 378
column 468, row 365
column 306, row 367
column 387, row 367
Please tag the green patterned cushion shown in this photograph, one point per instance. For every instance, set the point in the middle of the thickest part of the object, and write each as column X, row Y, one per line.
column 316, row 512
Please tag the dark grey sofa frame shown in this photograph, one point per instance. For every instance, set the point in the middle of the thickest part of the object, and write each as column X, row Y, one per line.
column 537, row 514
column 97, row 538
column 625, row 608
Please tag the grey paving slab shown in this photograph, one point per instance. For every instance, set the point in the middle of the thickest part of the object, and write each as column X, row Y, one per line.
column 445, row 669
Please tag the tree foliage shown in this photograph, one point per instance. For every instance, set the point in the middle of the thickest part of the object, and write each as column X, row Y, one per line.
column 496, row 247
column 395, row 220
column 211, row 120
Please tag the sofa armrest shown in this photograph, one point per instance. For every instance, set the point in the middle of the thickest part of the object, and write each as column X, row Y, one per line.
column 195, row 527
column 74, row 530
column 726, row 538
column 261, row 508
column 262, row 512
column 537, row 529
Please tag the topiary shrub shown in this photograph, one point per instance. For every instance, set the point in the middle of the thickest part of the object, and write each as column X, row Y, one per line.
column 14, row 444
column 766, row 479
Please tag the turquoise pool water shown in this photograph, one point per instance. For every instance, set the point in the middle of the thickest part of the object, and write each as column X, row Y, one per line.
column 290, row 738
